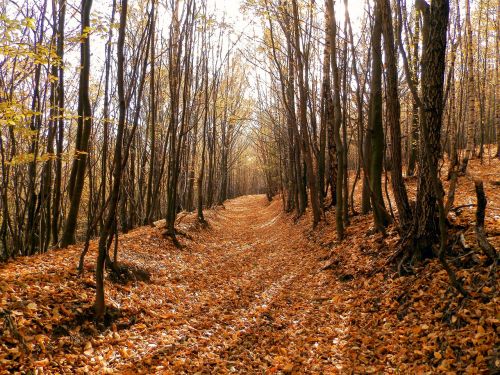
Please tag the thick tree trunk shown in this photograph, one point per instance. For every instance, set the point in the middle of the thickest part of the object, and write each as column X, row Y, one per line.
column 430, row 191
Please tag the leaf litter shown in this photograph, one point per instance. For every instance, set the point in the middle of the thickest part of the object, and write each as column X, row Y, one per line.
column 258, row 292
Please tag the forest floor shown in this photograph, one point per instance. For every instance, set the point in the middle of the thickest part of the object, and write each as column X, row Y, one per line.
column 258, row 292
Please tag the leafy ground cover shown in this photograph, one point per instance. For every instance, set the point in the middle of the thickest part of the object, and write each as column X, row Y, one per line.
column 257, row 292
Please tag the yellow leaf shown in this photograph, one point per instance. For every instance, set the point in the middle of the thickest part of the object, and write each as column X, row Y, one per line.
column 32, row 306
column 42, row 363
column 88, row 350
column 288, row 368
column 30, row 23
column 40, row 338
column 124, row 352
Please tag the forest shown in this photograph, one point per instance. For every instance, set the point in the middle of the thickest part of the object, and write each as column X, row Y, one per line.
column 251, row 186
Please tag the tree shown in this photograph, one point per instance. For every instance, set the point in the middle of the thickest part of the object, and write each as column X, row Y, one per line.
column 414, row 139
column 56, row 205
column 303, row 98
column 393, row 117
column 471, row 120
column 339, row 207
column 77, row 177
column 375, row 130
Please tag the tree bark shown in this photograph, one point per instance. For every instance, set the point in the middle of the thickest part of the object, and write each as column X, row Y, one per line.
column 305, row 141
column 393, row 118
column 77, row 179
column 339, row 209
column 375, row 129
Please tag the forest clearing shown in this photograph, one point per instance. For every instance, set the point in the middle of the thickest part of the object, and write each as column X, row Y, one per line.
column 249, row 186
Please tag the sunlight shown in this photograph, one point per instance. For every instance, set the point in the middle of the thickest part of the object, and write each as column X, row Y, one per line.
column 249, row 186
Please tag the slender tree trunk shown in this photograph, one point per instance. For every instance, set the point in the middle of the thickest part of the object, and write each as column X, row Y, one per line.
column 106, row 115
column 414, row 108
column 339, row 209
column 153, row 109
column 84, row 128
column 201, row 173
column 56, row 205
column 306, row 146
column 110, row 220
column 375, row 129
column 471, row 119
column 301, row 197
column 46, row 183
column 393, row 118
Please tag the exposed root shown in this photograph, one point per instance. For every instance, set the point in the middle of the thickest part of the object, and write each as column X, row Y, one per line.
column 183, row 234
column 123, row 274
column 172, row 235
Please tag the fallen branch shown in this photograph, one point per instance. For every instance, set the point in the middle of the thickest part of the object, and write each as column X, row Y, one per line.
column 331, row 265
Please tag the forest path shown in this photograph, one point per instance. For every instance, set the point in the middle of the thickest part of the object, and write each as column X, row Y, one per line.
column 244, row 295
column 249, row 296
column 254, row 292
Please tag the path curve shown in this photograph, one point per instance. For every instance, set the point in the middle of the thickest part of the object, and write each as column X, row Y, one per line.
column 247, row 303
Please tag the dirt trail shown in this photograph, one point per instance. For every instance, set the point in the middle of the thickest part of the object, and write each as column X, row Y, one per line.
column 244, row 300
column 243, row 295
column 249, row 294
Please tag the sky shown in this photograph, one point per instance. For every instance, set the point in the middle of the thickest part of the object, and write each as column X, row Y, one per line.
column 232, row 9
column 246, row 24
column 229, row 10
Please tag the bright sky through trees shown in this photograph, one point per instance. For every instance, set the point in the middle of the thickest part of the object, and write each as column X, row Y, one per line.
column 253, row 186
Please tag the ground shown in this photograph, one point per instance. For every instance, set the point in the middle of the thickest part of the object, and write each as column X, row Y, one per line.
column 258, row 292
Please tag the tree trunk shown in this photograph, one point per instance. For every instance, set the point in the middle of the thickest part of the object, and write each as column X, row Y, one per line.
column 56, row 205
column 414, row 107
column 339, row 209
column 426, row 227
column 393, row 118
column 471, row 120
column 305, row 141
column 375, row 129
column 77, row 180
